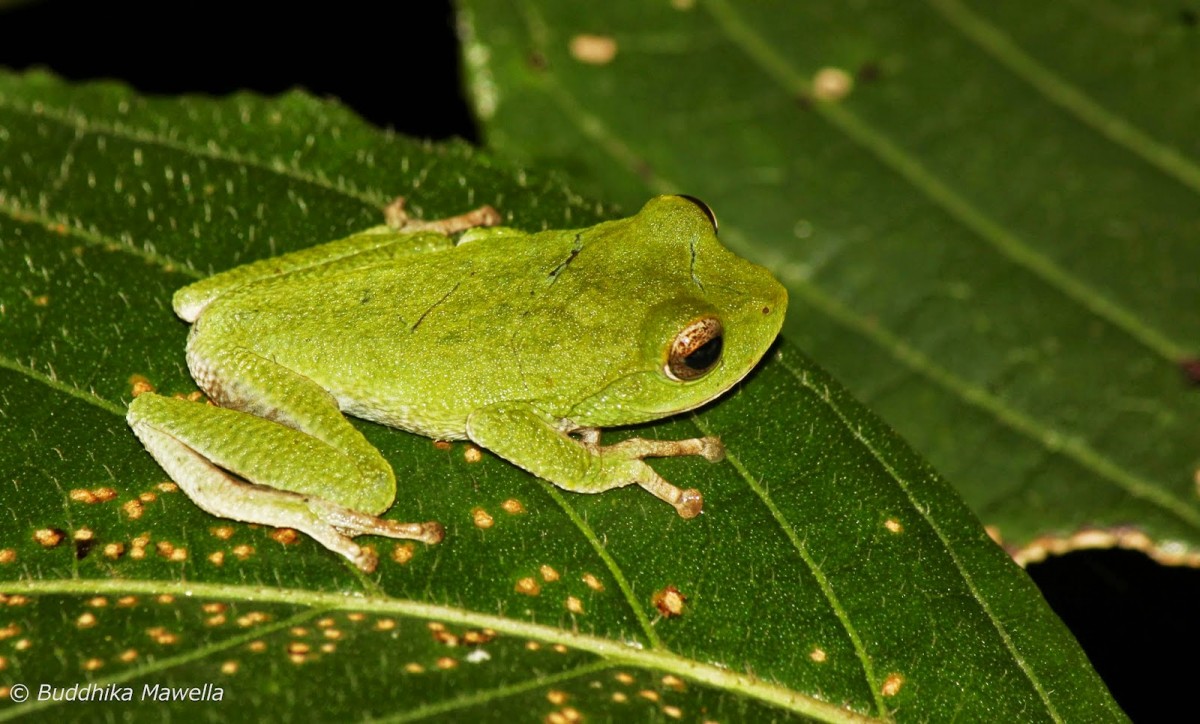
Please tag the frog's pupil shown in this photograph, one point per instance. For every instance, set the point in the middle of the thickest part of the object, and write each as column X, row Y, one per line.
column 706, row 355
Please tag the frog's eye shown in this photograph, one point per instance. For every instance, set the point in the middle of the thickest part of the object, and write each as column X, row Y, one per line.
column 703, row 207
column 695, row 350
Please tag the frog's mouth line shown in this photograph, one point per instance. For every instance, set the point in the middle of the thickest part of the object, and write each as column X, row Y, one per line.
column 644, row 414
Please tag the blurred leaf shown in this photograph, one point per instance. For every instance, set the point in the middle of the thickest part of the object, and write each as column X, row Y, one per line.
column 833, row 575
column 991, row 238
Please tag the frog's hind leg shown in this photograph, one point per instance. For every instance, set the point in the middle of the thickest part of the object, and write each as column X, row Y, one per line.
column 310, row 469
column 211, row 452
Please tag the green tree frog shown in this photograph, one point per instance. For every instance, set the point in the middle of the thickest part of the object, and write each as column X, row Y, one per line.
column 526, row 344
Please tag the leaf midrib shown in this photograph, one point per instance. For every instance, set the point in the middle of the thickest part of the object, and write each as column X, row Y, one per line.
column 612, row 651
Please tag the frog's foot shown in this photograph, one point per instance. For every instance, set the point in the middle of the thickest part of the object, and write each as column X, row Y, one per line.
column 397, row 218
column 352, row 522
column 687, row 502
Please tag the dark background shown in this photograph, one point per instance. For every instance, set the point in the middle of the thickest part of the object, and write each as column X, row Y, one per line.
column 383, row 59
column 398, row 67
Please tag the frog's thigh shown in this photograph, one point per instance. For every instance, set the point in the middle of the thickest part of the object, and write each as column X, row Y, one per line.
column 529, row 439
column 241, row 380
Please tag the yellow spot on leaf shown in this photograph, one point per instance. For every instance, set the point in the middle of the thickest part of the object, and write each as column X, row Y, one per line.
column 669, row 601
column 818, row 655
column 139, row 385
column 892, row 684
column 549, row 575
column 482, row 518
column 832, row 84
column 593, row 582
column 8, row 555
column 574, row 605
column 593, row 49
column 403, row 553
column 673, row 682
column 48, row 537
column 893, row 525
column 243, row 551
column 528, row 586
column 512, row 506
column 133, row 509
column 556, row 697
column 472, row 454
column 285, row 536
column 229, row 668
column 80, row 495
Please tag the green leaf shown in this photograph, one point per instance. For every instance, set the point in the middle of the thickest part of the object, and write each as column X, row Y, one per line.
column 833, row 575
column 990, row 239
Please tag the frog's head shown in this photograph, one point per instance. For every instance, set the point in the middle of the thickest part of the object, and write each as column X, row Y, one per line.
column 703, row 316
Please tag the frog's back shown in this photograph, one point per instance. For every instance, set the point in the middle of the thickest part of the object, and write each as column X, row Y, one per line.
column 417, row 343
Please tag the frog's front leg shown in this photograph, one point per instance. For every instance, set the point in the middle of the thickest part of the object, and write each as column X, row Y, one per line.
column 709, row 448
column 311, row 469
column 536, row 442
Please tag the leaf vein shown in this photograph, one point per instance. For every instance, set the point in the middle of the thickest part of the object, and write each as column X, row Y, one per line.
column 73, row 119
column 860, row 649
column 1066, row 95
column 923, row 511
column 907, row 167
column 613, row 567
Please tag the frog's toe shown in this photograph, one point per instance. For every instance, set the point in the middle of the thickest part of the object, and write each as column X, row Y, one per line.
column 712, row 449
column 365, row 559
column 690, row 503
